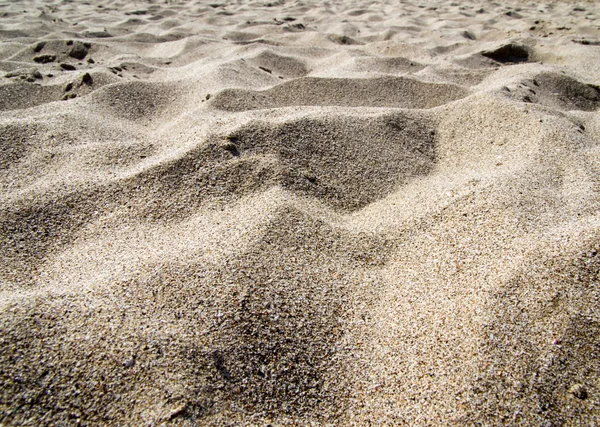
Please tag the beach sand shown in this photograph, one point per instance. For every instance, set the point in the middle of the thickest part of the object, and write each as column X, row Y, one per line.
column 298, row 212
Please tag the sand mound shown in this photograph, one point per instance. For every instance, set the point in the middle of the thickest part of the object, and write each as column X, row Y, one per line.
column 280, row 65
column 328, row 159
column 135, row 100
column 556, row 91
column 393, row 65
column 276, row 350
column 396, row 92
column 299, row 213
column 544, row 371
column 23, row 95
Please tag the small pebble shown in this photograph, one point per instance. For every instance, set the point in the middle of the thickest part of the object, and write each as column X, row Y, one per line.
column 44, row 59
column 579, row 391
column 87, row 79
column 78, row 51
column 39, row 46
column 231, row 147
column 178, row 410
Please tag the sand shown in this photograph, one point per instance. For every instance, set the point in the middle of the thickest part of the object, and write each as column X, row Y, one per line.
column 299, row 212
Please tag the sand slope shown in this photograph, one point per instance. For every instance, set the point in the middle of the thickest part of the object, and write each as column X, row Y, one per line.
column 299, row 213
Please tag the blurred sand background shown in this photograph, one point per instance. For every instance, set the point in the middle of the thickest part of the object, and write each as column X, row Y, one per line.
column 298, row 212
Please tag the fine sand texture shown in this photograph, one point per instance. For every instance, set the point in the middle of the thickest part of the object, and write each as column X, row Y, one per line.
column 299, row 212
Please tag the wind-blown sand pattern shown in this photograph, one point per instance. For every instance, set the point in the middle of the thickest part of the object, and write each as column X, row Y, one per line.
column 299, row 212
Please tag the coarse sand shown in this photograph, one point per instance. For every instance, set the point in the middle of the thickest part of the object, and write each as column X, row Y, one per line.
column 299, row 212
